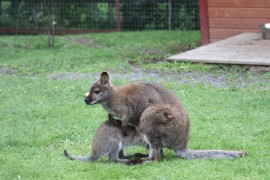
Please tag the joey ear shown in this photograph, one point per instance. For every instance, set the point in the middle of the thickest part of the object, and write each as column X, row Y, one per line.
column 104, row 78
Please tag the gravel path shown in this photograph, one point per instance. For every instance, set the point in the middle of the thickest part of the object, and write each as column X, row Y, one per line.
column 220, row 80
column 223, row 79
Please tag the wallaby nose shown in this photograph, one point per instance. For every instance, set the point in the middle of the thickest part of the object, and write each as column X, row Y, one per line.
column 86, row 100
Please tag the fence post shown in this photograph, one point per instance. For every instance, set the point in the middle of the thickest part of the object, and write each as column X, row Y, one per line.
column 117, row 8
column 0, row 7
column 170, row 14
column 204, row 24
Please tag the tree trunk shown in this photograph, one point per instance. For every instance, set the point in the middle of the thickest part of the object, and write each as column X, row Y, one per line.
column 34, row 13
column 51, row 23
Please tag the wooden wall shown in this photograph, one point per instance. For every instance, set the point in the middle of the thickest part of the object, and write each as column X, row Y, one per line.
column 227, row 18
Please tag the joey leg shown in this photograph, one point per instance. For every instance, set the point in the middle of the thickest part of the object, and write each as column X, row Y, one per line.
column 121, row 155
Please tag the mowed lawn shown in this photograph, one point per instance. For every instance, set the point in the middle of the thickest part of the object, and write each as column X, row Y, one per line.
column 42, row 111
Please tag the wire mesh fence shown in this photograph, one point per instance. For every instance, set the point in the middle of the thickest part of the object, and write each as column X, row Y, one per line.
column 78, row 16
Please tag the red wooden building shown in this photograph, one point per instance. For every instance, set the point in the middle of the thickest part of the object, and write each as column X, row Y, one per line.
column 220, row 19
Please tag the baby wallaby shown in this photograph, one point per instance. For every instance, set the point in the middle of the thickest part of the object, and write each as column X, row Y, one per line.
column 157, row 114
column 110, row 140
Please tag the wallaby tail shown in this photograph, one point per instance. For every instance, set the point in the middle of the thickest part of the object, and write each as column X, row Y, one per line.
column 208, row 154
column 72, row 157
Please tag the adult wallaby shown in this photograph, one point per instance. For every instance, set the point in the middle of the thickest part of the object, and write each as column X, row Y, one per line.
column 139, row 104
column 110, row 140
column 161, row 126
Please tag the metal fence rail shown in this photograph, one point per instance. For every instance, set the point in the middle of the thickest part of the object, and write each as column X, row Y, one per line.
column 79, row 16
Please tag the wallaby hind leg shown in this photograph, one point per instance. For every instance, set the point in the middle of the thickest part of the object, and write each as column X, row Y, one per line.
column 161, row 151
column 155, row 152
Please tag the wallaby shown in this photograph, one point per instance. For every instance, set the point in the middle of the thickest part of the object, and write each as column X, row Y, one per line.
column 139, row 104
column 110, row 140
column 160, row 126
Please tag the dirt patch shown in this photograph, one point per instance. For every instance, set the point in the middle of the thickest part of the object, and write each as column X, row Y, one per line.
column 259, row 68
column 225, row 79
column 179, row 48
column 155, row 55
column 82, row 41
column 71, row 76
column 219, row 80
column 8, row 71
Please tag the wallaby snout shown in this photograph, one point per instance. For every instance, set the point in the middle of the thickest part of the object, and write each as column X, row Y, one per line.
column 93, row 98
column 86, row 100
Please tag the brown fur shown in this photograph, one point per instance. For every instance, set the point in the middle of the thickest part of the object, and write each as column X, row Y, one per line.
column 156, row 112
column 161, row 127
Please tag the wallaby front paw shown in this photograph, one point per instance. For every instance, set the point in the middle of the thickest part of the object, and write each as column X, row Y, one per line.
column 115, row 122
column 124, row 130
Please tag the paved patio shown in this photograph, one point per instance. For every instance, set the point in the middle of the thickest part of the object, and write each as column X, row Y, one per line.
column 247, row 48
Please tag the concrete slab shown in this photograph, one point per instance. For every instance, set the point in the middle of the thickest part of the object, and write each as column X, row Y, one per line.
column 246, row 48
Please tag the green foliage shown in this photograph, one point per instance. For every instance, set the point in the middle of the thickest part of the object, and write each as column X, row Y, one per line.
column 186, row 19
column 5, row 18
column 155, row 15
column 42, row 111
column 135, row 15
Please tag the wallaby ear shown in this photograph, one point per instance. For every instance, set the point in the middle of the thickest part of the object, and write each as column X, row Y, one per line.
column 104, row 78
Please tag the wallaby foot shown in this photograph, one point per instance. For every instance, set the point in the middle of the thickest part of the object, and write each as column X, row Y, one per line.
column 125, row 161
column 136, row 155
column 121, row 155
column 135, row 162
column 129, row 162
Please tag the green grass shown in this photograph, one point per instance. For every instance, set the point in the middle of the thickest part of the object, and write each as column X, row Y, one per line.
column 40, row 116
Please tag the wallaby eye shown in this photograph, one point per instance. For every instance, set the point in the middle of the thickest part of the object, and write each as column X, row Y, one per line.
column 97, row 91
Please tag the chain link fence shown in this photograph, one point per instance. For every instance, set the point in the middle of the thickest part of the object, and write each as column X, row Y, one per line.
column 79, row 16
